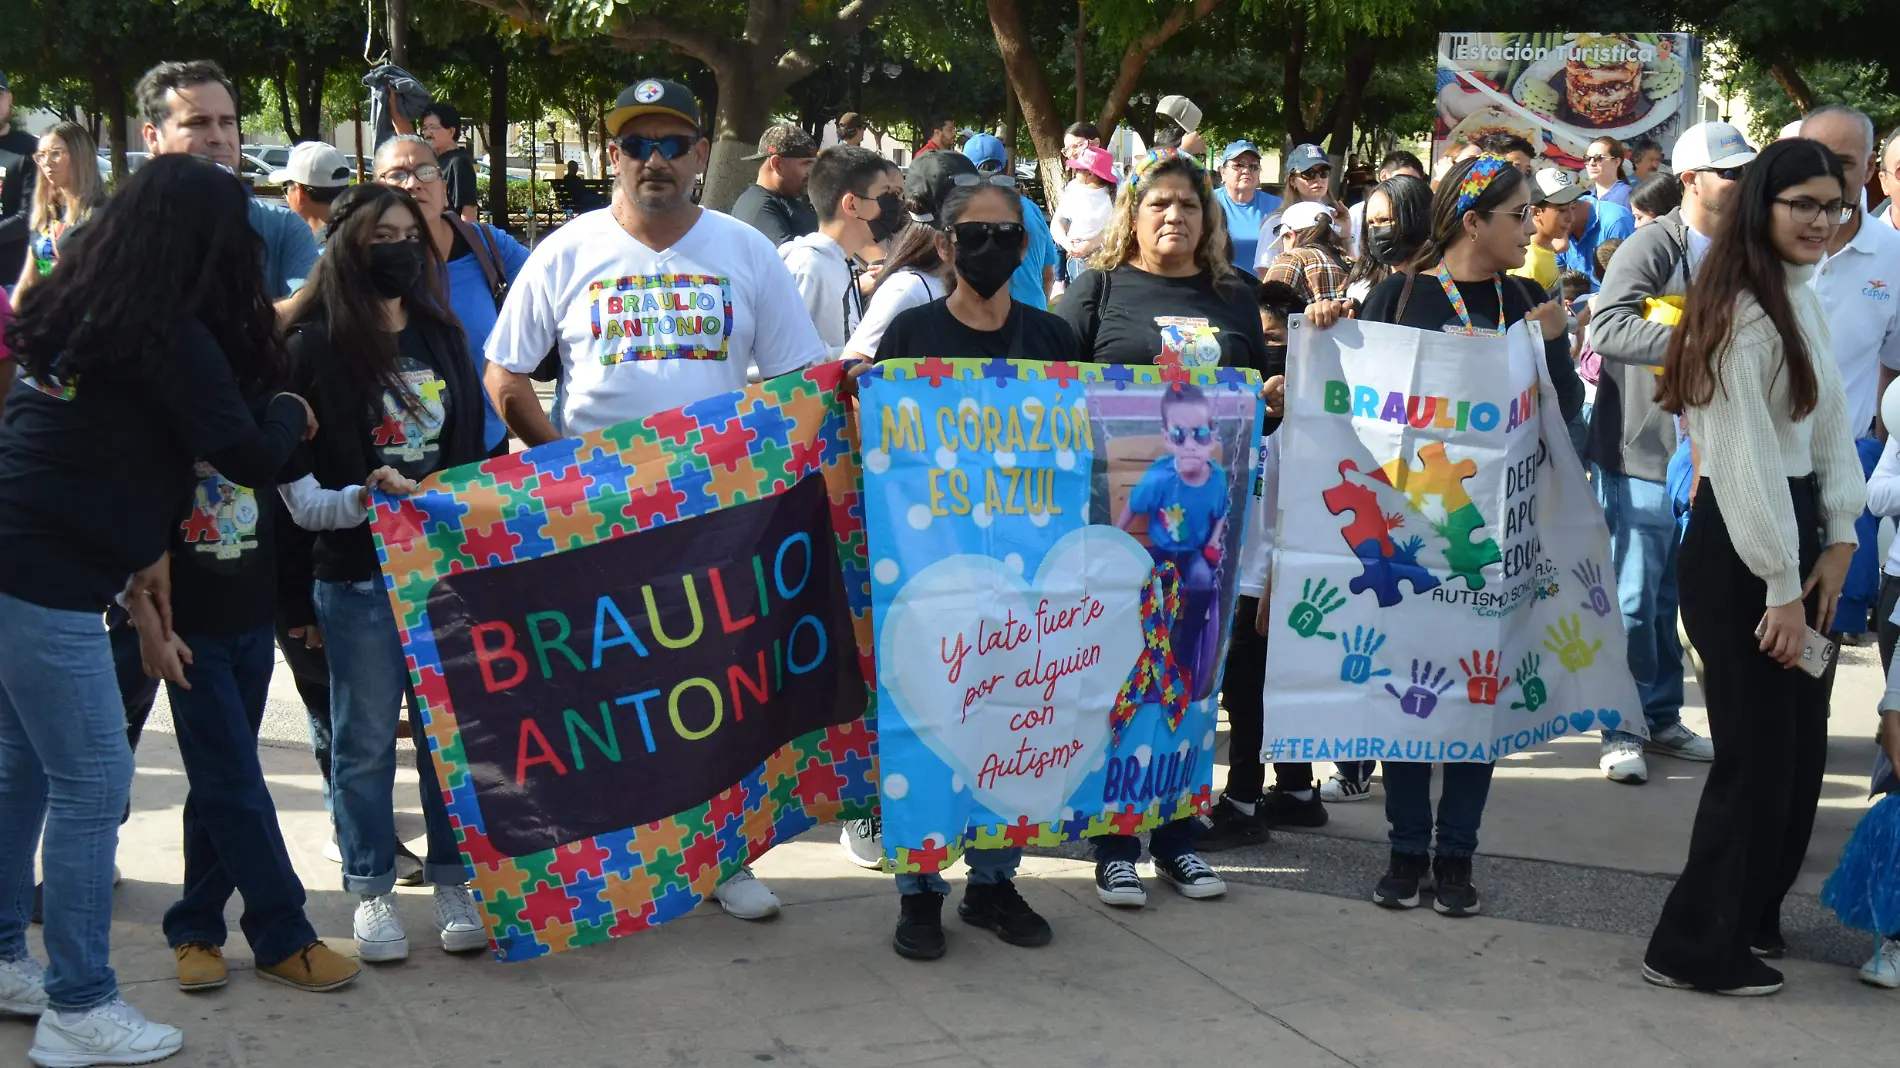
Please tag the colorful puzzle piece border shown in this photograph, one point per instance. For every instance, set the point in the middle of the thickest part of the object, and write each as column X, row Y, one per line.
column 1002, row 372
column 579, row 492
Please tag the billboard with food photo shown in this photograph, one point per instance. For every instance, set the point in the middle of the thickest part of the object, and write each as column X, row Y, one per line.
column 1561, row 91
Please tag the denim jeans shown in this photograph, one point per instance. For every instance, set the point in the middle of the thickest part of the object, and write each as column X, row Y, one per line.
column 231, row 838
column 1165, row 842
column 369, row 680
column 1408, row 807
column 987, row 866
column 310, row 670
column 1643, row 543
column 64, row 760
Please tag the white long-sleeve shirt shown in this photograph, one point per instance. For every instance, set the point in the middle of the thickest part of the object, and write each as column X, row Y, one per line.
column 1883, row 494
column 1750, row 447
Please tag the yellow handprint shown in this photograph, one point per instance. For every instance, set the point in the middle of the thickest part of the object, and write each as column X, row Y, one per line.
column 1566, row 640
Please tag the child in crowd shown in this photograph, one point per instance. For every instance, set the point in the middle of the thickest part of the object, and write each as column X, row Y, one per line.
column 856, row 199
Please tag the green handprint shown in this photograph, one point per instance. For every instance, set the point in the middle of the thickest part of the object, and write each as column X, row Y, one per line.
column 1566, row 640
column 1316, row 603
column 1529, row 684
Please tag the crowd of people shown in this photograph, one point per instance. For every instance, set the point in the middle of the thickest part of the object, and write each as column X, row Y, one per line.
column 1718, row 336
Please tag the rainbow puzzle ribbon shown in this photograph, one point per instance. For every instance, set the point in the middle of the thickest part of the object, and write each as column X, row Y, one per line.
column 1156, row 675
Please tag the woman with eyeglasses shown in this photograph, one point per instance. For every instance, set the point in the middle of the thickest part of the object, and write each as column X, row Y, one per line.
column 386, row 369
column 1770, row 535
column 479, row 262
column 68, row 190
column 983, row 238
column 1164, row 255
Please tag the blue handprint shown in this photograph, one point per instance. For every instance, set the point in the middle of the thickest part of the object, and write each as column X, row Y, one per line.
column 1357, row 667
column 1591, row 576
column 1422, row 696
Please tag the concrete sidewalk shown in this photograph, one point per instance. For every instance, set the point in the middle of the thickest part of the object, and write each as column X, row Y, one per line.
column 1295, row 967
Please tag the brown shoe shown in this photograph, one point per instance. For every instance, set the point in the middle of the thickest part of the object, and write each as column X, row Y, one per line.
column 200, row 966
column 316, row 968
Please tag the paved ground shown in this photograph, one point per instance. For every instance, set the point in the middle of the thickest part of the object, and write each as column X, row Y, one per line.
column 1294, row 968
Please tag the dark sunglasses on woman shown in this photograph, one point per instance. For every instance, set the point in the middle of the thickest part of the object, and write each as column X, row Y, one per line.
column 974, row 235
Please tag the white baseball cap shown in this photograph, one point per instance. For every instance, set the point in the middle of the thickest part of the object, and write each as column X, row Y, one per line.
column 1710, row 146
column 1555, row 185
column 316, row 165
column 1181, row 110
column 1303, row 215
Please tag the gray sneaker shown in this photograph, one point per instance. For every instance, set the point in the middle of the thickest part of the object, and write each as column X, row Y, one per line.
column 863, row 842
column 1682, row 743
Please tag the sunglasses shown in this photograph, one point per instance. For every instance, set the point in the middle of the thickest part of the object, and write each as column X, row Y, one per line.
column 1727, row 174
column 1598, row 158
column 971, row 181
column 1008, row 236
column 670, row 147
column 1201, row 434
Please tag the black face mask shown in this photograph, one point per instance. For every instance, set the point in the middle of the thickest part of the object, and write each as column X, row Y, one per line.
column 1276, row 354
column 395, row 267
column 987, row 267
column 891, row 217
column 1383, row 243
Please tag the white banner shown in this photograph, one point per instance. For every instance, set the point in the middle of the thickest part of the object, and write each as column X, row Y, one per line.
column 1442, row 586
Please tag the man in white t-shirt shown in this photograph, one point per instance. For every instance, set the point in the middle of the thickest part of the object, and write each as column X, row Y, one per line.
column 653, row 302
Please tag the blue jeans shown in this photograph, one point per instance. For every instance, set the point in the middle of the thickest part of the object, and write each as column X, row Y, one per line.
column 987, row 866
column 369, row 680
column 64, row 760
column 1862, row 588
column 1408, row 807
column 1643, row 543
column 231, row 838
column 1166, row 842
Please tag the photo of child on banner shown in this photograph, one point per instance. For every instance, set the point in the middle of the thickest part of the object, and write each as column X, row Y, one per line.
column 1053, row 552
column 1441, row 584
column 643, row 655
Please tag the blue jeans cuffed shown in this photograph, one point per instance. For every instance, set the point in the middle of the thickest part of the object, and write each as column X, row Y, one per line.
column 1643, row 544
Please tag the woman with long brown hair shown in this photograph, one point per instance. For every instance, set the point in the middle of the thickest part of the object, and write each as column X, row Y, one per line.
column 68, row 190
column 1771, row 531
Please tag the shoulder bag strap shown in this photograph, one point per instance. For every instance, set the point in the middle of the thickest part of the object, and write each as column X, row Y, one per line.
column 486, row 254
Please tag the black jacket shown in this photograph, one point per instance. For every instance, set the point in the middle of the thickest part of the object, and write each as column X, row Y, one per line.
column 16, row 199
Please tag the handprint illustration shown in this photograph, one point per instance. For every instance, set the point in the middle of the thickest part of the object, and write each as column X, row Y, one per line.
column 1566, row 640
column 1591, row 576
column 1317, row 601
column 1422, row 696
column 1357, row 667
column 1529, row 684
column 1482, row 684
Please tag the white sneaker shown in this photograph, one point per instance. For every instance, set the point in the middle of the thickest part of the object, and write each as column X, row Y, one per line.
column 333, row 852
column 379, row 934
column 457, row 919
column 746, row 897
column 1884, row 968
column 23, row 987
column 863, row 842
column 1339, row 790
column 1682, row 743
column 1622, row 761
column 112, row 1033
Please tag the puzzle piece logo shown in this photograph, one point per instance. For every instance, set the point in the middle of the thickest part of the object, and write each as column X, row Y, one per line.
column 1436, row 489
column 1369, row 535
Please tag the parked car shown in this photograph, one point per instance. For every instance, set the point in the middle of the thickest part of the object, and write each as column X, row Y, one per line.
column 132, row 162
column 272, row 156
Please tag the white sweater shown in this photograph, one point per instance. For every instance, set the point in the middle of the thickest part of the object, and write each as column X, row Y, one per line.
column 1750, row 447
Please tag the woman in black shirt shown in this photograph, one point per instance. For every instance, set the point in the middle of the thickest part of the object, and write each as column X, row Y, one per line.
column 134, row 358
column 387, row 371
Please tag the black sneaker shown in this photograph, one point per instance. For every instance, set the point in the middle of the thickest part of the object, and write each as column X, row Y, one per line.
column 1399, row 888
column 1226, row 827
column 1281, row 809
column 1452, row 892
column 1118, row 883
column 1000, row 908
column 1769, row 945
column 1758, row 981
column 1190, row 876
column 920, row 927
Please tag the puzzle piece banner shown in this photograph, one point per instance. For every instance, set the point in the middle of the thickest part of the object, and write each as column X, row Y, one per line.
column 1442, row 587
column 642, row 655
column 1053, row 557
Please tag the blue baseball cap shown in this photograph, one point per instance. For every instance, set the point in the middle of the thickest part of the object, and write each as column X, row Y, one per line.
column 1237, row 149
column 987, row 152
column 1304, row 158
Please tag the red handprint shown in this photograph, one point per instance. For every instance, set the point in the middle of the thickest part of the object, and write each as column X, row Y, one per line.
column 1482, row 684
column 1394, row 520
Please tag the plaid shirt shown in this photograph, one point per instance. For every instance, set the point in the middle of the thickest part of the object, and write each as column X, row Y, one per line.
column 1315, row 273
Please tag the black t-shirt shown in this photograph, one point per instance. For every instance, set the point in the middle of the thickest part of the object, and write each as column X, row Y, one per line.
column 16, row 199
column 779, row 218
column 225, row 553
column 1130, row 316
column 1429, row 309
column 458, row 169
column 94, row 475
column 930, row 330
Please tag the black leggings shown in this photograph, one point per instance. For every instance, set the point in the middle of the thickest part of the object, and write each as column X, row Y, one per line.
column 1241, row 692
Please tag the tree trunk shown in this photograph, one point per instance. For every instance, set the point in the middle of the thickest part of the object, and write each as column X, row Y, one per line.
column 1081, row 53
column 746, row 96
column 280, row 81
column 310, row 76
column 1291, row 113
column 1793, row 84
column 498, row 139
column 1135, row 59
column 109, row 90
column 1026, row 77
column 1010, row 115
column 600, row 120
column 1359, row 66
column 399, row 32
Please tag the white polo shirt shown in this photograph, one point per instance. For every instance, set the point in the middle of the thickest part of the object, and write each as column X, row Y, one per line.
column 1859, row 288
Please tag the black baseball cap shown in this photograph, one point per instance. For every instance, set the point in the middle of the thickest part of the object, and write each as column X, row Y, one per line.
column 652, row 96
column 929, row 178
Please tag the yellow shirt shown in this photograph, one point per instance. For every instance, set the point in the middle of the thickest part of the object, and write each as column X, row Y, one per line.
column 1540, row 266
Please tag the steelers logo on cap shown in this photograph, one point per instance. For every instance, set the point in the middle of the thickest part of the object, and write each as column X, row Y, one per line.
column 647, row 92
